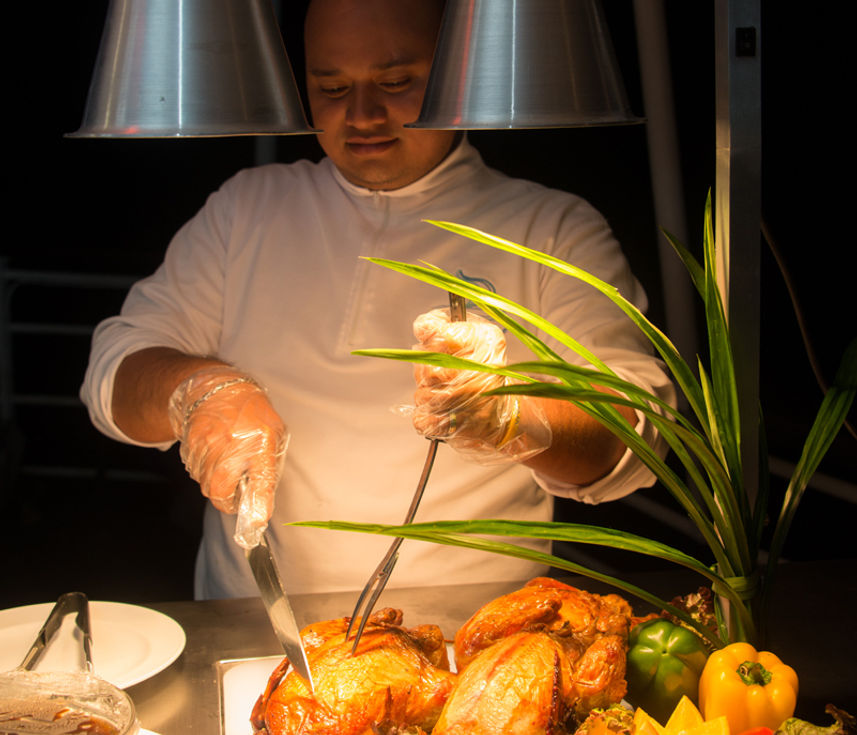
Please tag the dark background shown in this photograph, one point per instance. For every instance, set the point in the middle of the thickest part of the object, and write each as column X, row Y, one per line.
column 80, row 511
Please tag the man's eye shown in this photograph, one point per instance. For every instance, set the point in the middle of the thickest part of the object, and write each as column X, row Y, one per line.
column 393, row 85
column 334, row 90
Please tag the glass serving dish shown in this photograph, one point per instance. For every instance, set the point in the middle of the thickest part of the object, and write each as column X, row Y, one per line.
column 61, row 702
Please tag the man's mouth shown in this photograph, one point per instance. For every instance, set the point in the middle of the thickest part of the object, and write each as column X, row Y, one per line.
column 369, row 146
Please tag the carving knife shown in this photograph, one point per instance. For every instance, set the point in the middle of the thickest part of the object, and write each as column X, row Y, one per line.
column 270, row 583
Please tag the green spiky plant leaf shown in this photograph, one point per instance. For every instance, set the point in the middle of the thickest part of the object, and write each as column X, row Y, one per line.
column 707, row 445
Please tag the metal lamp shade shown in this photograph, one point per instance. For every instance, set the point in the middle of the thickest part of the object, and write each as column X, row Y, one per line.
column 192, row 68
column 524, row 64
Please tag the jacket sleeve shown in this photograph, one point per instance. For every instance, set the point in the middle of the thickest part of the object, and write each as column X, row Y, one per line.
column 583, row 238
column 178, row 306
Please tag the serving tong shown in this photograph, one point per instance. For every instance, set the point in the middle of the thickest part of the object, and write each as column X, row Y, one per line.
column 379, row 578
column 79, row 696
column 66, row 604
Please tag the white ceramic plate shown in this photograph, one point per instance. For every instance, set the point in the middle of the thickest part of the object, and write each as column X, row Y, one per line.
column 129, row 643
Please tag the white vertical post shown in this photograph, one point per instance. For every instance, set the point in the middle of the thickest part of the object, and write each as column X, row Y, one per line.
column 737, row 202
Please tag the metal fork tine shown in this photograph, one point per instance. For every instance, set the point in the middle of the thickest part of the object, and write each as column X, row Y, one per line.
column 378, row 580
column 385, row 567
column 382, row 572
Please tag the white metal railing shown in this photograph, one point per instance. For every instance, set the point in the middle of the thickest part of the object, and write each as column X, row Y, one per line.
column 10, row 280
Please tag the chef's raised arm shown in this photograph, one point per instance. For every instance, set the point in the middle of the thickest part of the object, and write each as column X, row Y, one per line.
column 552, row 437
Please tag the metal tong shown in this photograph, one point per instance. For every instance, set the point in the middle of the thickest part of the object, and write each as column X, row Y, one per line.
column 70, row 602
column 381, row 575
column 58, row 699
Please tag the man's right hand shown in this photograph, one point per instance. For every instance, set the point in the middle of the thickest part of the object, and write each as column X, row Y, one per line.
column 231, row 437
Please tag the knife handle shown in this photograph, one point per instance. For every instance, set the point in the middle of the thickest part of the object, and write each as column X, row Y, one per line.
column 252, row 515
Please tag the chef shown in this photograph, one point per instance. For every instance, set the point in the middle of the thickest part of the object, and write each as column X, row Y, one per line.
column 239, row 345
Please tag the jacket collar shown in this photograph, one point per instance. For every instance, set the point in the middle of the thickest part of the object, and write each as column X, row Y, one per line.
column 441, row 178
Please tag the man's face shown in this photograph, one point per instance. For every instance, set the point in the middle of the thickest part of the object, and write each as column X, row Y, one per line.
column 367, row 66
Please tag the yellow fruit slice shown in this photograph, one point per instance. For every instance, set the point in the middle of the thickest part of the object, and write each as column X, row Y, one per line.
column 717, row 726
column 645, row 724
column 684, row 717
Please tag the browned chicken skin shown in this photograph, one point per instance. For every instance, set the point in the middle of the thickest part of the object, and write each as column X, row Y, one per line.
column 398, row 679
column 599, row 675
column 518, row 686
column 537, row 660
column 543, row 604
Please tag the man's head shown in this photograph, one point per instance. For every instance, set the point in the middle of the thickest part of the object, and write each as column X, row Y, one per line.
column 367, row 66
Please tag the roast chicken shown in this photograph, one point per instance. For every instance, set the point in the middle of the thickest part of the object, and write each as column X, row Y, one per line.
column 396, row 681
column 535, row 661
column 543, row 604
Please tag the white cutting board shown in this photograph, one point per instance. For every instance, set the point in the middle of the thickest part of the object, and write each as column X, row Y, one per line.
column 241, row 682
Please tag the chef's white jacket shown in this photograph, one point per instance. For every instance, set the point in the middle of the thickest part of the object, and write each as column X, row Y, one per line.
column 269, row 277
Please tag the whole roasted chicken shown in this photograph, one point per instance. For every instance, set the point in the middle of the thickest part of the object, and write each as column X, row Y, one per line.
column 396, row 681
column 548, row 605
column 536, row 661
column 532, row 662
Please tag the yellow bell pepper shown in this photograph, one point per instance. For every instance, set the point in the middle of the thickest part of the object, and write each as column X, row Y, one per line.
column 751, row 688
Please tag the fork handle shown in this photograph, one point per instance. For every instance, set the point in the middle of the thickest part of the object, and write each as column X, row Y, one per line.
column 457, row 308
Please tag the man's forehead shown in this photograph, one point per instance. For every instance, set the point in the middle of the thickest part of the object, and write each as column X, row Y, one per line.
column 424, row 12
column 391, row 30
column 396, row 62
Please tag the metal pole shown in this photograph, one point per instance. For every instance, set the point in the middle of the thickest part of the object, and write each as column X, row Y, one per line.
column 737, row 203
column 665, row 166
column 6, row 409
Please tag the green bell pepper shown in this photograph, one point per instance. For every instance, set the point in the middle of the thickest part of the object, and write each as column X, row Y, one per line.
column 664, row 663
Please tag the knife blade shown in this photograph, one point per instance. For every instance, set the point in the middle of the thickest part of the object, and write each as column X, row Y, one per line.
column 270, row 582
column 280, row 612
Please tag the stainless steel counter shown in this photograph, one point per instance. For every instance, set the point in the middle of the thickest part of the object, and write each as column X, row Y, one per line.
column 811, row 628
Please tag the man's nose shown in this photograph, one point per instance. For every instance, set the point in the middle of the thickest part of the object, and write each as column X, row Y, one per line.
column 365, row 107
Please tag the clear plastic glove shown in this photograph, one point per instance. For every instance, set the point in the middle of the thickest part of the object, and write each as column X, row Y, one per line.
column 233, row 444
column 451, row 405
